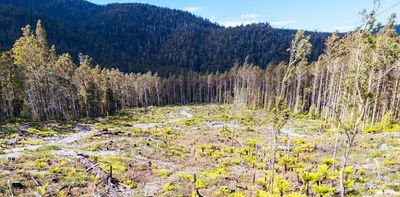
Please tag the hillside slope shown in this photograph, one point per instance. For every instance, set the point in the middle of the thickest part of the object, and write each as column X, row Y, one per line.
column 139, row 37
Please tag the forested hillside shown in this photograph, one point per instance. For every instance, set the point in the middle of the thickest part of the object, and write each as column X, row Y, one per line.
column 38, row 83
column 140, row 37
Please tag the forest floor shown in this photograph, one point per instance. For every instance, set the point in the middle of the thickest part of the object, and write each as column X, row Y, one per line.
column 210, row 150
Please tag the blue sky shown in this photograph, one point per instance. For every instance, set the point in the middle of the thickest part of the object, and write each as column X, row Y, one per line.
column 320, row 15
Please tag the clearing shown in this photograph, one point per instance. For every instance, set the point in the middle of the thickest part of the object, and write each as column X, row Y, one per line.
column 205, row 150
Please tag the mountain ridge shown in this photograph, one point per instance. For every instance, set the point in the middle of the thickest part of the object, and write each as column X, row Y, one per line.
column 135, row 37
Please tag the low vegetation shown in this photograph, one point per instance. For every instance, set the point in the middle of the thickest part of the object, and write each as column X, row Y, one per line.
column 215, row 155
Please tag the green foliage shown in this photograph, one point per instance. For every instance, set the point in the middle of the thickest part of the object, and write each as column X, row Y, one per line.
column 32, row 141
column 42, row 189
column 308, row 177
column 76, row 38
column 97, row 147
column 385, row 125
column 195, row 120
column 40, row 164
column 247, row 119
column 313, row 112
column 128, row 182
column 74, row 177
column 215, row 162
column 54, row 170
column 117, row 163
column 328, row 161
column 300, row 116
column 61, row 193
column 237, row 194
column 283, row 186
column 186, row 177
column 168, row 187
column 261, row 193
column 281, row 115
column 252, row 143
column 200, row 184
column 348, row 170
column 291, row 161
column 164, row 173
column 44, row 132
column 383, row 187
column 349, row 183
column 323, row 190
column 215, row 173
column 228, row 133
column 295, row 194
column 323, row 170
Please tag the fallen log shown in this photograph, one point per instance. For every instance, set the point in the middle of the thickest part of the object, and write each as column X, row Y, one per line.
column 11, row 189
column 95, row 165
column 36, row 181
column 83, row 159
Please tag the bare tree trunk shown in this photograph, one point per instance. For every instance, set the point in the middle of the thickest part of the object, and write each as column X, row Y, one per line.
column 376, row 100
column 297, row 102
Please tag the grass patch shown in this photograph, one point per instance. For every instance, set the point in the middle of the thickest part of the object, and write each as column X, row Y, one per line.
column 117, row 163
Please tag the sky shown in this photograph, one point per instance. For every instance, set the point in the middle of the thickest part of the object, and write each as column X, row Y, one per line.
column 313, row 15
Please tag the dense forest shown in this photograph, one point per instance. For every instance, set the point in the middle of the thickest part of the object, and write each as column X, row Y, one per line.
column 141, row 38
column 37, row 83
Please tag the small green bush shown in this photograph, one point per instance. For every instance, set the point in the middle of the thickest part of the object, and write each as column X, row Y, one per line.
column 385, row 125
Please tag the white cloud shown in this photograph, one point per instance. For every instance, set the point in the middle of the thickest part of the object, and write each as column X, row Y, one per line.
column 249, row 16
column 343, row 28
column 192, row 9
column 243, row 19
column 237, row 22
column 213, row 19
column 280, row 23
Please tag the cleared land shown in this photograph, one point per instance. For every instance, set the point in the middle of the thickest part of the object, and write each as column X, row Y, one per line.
column 210, row 150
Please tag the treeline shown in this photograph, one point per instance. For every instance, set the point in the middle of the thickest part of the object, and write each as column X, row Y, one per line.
column 137, row 37
column 37, row 83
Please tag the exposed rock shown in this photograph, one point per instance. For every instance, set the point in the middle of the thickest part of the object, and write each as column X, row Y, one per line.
column 219, row 124
column 144, row 125
column 383, row 147
column 290, row 132
column 186, row 113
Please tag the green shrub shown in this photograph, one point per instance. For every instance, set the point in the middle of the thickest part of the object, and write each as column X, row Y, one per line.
column 328, row 161
column 163, row 173
column 40, row 164
column 129, row 183
column 45, row 132
column 168, row 187
column 200, row 184
column 117, row 163
column 385, row 125
column 283, row 186
column 261, row 193
column 323, row 190
column 54, row 170
column 237, row 194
